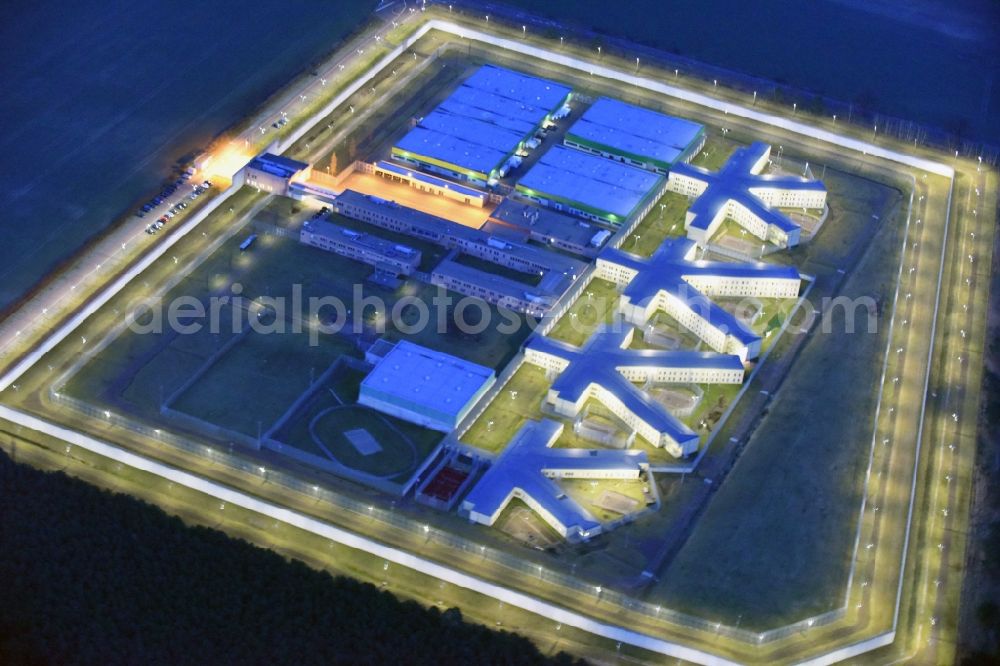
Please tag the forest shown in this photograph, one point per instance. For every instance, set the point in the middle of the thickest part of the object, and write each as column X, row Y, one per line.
column 93, row 577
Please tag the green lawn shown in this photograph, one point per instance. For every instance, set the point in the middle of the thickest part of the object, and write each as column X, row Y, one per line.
column 587, row 492
column 716, row 151
column 519, row 400
column 665, row 220
column 595, row 306
column 253, row 384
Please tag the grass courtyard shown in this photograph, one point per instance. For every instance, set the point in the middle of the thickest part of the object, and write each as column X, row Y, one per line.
column 595, row 306
column 716, row 151
column 665, row 220
column 597, row 495
column 519, row 401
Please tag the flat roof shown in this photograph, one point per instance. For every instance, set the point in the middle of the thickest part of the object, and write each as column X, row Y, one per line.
column 361, row 239
column 522, row 464
column 439, row 230
column 430, row 179
column 736, row 181
column 421, row 377
column 589, row 182
column 670, row 266
column 484, row 119
column 543, row 293
column 278, row 165
column 523, row 89
column 545, row 222
column 599, row 362
column 617, row 127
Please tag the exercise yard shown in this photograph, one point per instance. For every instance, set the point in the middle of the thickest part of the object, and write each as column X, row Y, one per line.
column 607, row 499
column 522, row 524
column 252, row 384
column 330, row 424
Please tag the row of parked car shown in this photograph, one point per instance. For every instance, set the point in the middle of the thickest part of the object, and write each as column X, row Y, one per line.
column 168, row 189
column 175, row 209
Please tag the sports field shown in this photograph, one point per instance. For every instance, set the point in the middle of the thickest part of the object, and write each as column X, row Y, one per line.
column 322, row 426
column 253, row 383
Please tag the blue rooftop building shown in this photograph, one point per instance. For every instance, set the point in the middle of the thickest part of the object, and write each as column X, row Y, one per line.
column 606, row 370
column 591, row 186
column 635, row 135
column 527, row 470
column 675, row 282
column 273, row 173
column 740, row 191
column 482, row 123
column 423, row 386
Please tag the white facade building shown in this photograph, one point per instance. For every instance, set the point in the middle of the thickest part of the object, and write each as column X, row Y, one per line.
column 606, row 370
column 527, row 470
column 674, row 282
column 741, row 192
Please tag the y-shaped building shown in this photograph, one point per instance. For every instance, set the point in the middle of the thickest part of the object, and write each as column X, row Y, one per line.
column 740, row 191
column 674, row 282
column 605, row 369
column 527, row 470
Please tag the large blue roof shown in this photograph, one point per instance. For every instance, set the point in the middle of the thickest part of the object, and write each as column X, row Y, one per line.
column 592, row 182
column 600, row 360
column 482, row 122
column 423, row 379
column 621, row 127
column 522, row 465
column 736, row 181
column 670, row 267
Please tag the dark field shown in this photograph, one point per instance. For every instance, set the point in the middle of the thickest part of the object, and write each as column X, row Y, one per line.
column 931, row 61
column 100, row 101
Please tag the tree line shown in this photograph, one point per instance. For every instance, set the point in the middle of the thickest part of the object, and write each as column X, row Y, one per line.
column 93, row 577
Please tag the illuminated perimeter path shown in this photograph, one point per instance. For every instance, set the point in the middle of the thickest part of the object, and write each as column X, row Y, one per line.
column 506, row 595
